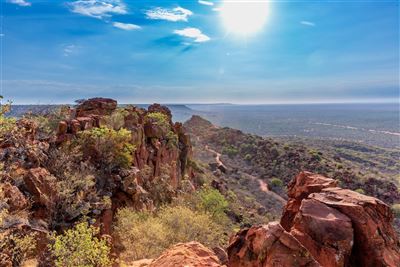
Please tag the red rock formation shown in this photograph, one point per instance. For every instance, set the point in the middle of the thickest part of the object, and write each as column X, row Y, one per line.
column 40, row 184
column 375, row 241
column 96, row 106
column 300, row 188
column 325, row 232
column 191, row 254
column 265, row 246
column 332, row 226
column 15, row 199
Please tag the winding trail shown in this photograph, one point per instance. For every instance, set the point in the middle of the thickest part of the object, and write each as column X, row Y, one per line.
column 262, row 185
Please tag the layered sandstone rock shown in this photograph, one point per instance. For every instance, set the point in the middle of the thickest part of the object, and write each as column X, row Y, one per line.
column 375, row 241
column 327, row 225
column 300, row 188
column 325, row 232
column 267, row 245
column 191, row 254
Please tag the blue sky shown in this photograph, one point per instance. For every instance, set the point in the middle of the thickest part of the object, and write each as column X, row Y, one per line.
column 142, row 51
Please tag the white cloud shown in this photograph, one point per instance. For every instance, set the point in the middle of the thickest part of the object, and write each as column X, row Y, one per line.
column 206, row 3
column 20, row 2
column 98, row 8
column 126, row 26
column 175, row 14
column 69, row 49
column 307, row 23
column 193, row 33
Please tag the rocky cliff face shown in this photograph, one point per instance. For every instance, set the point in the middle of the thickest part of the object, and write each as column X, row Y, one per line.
column 31, row 182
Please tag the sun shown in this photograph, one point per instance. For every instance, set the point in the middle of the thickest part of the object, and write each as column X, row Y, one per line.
column 244, row 18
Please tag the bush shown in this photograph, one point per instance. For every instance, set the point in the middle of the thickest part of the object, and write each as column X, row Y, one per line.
column 159, row 118
column 19, row 246
column 116, row 120
column 108, row 147
column 146, row 235
column 360, row 191
column 396, row 210
column 247, row 157
column 212, row 202
column 79, row 247
column 172, row 139
column 230, row 151
column 8, row 125
column 276, row 182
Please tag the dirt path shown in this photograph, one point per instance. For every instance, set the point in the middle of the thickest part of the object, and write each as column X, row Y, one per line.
column 262, row 185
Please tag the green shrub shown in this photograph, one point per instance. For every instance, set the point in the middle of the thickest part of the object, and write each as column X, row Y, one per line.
column 360, row 191
column 146, row 235
column 230, row 151
column 79, row 247
column 18, row 246
column 212, row 202
column 396, row 210
column 159, row 118
column 7, row 125
column 172, row 139
column 247, row 157
column 111, row 148
column 276, row 182
column 116, row 120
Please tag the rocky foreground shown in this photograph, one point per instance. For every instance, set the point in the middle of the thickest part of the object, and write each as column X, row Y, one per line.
column 322, row 225
column 50, row 183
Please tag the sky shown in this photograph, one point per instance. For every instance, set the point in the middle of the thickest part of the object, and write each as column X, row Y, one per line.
column 236, row 51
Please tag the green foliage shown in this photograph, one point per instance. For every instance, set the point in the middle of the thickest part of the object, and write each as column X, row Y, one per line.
column 212, row 202
column 111, row 148
column 276, row 182
column 18, row 246
column 360, row 191
column 172, row 139
column 316, row 155
column 230, row 150
column 79, row 247
column 116, row 120
column 396, row 210
column 247, row 157
column 7, row 125
column 146, row 235
column 159, row 118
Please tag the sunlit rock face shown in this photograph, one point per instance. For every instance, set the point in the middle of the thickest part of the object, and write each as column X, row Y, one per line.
column 162, row 148
column 322, row 225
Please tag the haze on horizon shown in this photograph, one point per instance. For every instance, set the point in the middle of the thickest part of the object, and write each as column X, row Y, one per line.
column 200, row 51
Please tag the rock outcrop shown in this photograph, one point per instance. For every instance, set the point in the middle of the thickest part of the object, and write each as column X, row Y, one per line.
column 191, row 254
column 96, row 106
column 322, row 225
column 267, row 245
column 300, row 188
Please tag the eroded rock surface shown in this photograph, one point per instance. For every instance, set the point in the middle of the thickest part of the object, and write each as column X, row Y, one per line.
column 191, row 254
column 267, row 245
column 322, row 225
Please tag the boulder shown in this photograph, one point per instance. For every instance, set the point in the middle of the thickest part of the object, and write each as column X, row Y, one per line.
column 191, row 254
column 265, row 246
column 15, row 199
column 96, row 106
column 299, row 188
column 325, row 232
column 375, row 240
column 40, row 184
